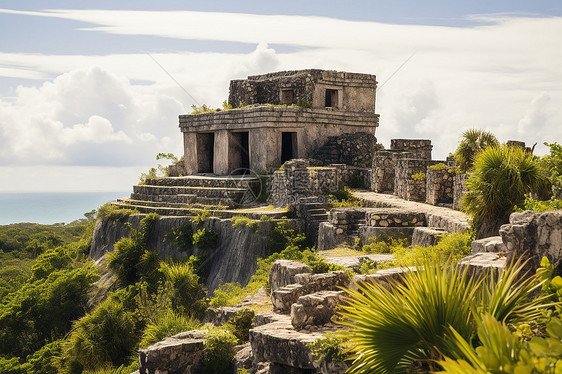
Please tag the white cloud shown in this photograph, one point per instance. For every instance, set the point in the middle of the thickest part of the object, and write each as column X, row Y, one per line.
column 503, row 76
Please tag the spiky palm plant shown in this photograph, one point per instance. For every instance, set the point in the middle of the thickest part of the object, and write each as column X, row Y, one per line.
column 391, row 330
column 501, row 178
column 473, row 142
column 432, row 313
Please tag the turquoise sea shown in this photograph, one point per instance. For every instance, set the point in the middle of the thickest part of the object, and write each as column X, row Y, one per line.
column 51, row 207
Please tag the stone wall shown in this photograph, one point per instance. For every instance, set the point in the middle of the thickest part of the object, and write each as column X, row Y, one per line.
column 419, row 148
column 266, row 89
column 351, row 148
column 297, row 180
column 459, row 186
column 530, row 235
column 384, row 169
column 407, row 188
column 439, row 186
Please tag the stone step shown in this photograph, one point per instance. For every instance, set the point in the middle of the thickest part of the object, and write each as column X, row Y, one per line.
column 316, row 211
column 163, row 211
column 177, row 199
column 153, row 203
column 319, row 217
column 236, row 194
column 204, row 181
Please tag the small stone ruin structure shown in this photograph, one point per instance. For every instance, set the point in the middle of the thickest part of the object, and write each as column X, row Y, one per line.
column 278, row 117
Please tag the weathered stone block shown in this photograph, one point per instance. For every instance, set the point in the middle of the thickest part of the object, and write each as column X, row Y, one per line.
column 480, row 263
column 531, row 235
column 172, row 355
column 315, row 309
column 221, row 315
column 283, row 273
column 491, row 244
column 384, row 277
column 426, row 236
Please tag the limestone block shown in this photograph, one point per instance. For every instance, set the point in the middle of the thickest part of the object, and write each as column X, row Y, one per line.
column 426, row 236
column 531, row 235
column 280, row 343
column 480, row 263
column 284, row 297
column 283, row 273
column 491, row 244
column 221, row 315
column 264, row 318
column 385, row 277
column 315, row 309
column 244, row 359
column 172, row 355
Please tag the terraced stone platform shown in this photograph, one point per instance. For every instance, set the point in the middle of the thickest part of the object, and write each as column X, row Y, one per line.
column 180, row 195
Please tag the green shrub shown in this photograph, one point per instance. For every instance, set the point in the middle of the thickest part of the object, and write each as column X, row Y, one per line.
column 183, row 236
column 386, row 245
column 240, row 324
column 45, row 360
column 218, row 353
column 169, row 323
column 553, row 164
column 187, row 291
column 473, row 142
column 501, row 178
column 201, row 216
column 204, row 239
column 343, row 193
column 419, row 176
column 439, row 166
column 228, row 294
column 331, row 347
column 131, row 260
column 108, row 335
column 451, row 248
column 538, row 205
column 202, row 109
column 114, row 212
column 10, row 366
column 243, row 221
column 43, row 309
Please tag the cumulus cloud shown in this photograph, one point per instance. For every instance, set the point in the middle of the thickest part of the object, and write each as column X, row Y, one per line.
column 87, row 117
column 503, row 76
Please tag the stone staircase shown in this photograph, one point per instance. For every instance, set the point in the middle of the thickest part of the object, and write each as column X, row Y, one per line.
column 178, row 195
column 328, row 153
column 314, row 211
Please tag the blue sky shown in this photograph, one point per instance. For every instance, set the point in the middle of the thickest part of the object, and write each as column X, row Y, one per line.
column 84, row 105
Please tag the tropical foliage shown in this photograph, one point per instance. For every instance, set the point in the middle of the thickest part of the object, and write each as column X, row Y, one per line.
column 421, row 321
column 501, row 178
column 473, row 142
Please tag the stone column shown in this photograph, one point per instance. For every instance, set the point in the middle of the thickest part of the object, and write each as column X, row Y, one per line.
column 221, row 153
column 190, row 152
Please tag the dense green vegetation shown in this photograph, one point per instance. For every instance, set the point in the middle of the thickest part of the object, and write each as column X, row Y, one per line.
column 433, row 318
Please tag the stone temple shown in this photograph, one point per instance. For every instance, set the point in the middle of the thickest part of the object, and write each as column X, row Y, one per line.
column 278, row 117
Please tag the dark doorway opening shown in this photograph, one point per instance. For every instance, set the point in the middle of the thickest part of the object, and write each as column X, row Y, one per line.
column 240, row 152
column 205, row 152
column 288, row 146
column 331, row 98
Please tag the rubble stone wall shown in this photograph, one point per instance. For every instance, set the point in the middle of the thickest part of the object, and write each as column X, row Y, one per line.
column 384, row 169
column 459, row 186
column 439, row 186
column 407, row 188
column 530, row 235
column 419, row 148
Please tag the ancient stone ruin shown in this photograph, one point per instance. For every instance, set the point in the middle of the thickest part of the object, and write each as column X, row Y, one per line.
column 291, row 140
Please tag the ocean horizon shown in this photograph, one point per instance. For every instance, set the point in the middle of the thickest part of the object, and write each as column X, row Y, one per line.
column 51, row 207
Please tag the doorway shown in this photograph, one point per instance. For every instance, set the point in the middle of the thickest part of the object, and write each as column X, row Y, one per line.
column 205, row 152
column 239, row 151
column 288, row 146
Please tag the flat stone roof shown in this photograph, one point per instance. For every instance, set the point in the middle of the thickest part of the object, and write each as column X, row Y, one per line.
column 274, row 116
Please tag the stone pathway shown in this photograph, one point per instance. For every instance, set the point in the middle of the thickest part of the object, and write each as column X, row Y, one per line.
column 436, row 216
